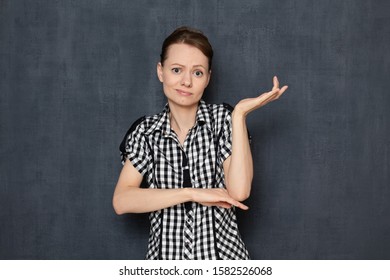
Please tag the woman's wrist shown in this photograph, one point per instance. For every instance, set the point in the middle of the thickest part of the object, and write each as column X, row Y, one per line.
column 188, row 194
column 238, row 115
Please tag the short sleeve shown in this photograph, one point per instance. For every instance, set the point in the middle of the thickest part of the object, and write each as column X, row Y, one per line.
column 134, row 148
column 225, row 138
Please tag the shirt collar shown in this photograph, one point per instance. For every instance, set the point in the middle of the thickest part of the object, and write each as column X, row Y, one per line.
column 163, row 123
column 203, row 116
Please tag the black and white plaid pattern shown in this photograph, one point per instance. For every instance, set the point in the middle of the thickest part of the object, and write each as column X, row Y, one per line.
column 198, row 232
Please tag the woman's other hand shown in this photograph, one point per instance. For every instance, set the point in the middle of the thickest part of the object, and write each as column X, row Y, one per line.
column 245, row 106
column 215, row 197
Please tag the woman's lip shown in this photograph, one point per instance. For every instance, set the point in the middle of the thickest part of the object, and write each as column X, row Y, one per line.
column 182, row 92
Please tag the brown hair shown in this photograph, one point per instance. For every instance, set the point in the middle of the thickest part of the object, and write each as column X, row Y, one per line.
column 189, row 36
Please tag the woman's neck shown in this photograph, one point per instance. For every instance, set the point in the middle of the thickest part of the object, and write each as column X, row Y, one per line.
column 182, row 118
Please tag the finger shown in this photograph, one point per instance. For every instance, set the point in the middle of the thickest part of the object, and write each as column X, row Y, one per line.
column 238, row 204
column 276, row 82
column 242, row 206
column 223, row 205
column 282, row 90
column 218, row 204
column 268, row 96
column 228, row 205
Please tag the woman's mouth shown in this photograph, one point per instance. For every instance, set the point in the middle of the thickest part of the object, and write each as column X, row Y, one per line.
column 183, row 93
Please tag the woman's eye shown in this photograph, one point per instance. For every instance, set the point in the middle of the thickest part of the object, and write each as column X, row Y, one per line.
column 176, row 70
column 198, row 73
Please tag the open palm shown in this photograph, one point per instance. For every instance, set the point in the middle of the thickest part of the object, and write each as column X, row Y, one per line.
column 248, row 105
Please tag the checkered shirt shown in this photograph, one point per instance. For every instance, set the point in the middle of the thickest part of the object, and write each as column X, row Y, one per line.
column 188, row 230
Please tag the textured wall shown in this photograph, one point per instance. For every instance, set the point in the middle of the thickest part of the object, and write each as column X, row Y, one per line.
column 75, row 74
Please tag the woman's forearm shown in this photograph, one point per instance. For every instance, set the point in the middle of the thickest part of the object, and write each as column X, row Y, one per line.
column 240, row 171
column 138, row 200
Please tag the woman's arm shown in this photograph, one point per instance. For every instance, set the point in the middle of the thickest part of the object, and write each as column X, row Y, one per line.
column 238, row 168
column 130, row 198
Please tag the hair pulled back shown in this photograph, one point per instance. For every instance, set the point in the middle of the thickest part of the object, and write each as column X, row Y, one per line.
column 189, row 36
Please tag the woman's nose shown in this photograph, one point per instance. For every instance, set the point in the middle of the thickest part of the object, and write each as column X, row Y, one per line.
column 186, row 80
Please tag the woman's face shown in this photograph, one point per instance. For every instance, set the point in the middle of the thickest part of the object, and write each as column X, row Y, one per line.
column 185, row 75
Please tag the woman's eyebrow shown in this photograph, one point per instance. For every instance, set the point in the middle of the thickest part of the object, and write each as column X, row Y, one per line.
column 178, row 64
column 199, row 65
column 194, row 66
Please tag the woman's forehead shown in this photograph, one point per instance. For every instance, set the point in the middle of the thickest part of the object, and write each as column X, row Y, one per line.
column 186, row 54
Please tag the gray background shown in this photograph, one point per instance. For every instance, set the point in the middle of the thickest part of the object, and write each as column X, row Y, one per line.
column 75, row 74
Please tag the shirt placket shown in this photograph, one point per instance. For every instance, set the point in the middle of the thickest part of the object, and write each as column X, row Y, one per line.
column 188, row 235
column 188, row 252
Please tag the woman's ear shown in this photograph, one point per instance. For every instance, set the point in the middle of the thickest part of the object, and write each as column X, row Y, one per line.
column 208, row 78
column 160, row 72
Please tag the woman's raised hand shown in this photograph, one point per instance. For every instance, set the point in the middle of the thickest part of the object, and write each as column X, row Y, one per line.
column 245, row 106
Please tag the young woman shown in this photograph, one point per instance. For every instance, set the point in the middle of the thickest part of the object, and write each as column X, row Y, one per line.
column 194, row 156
